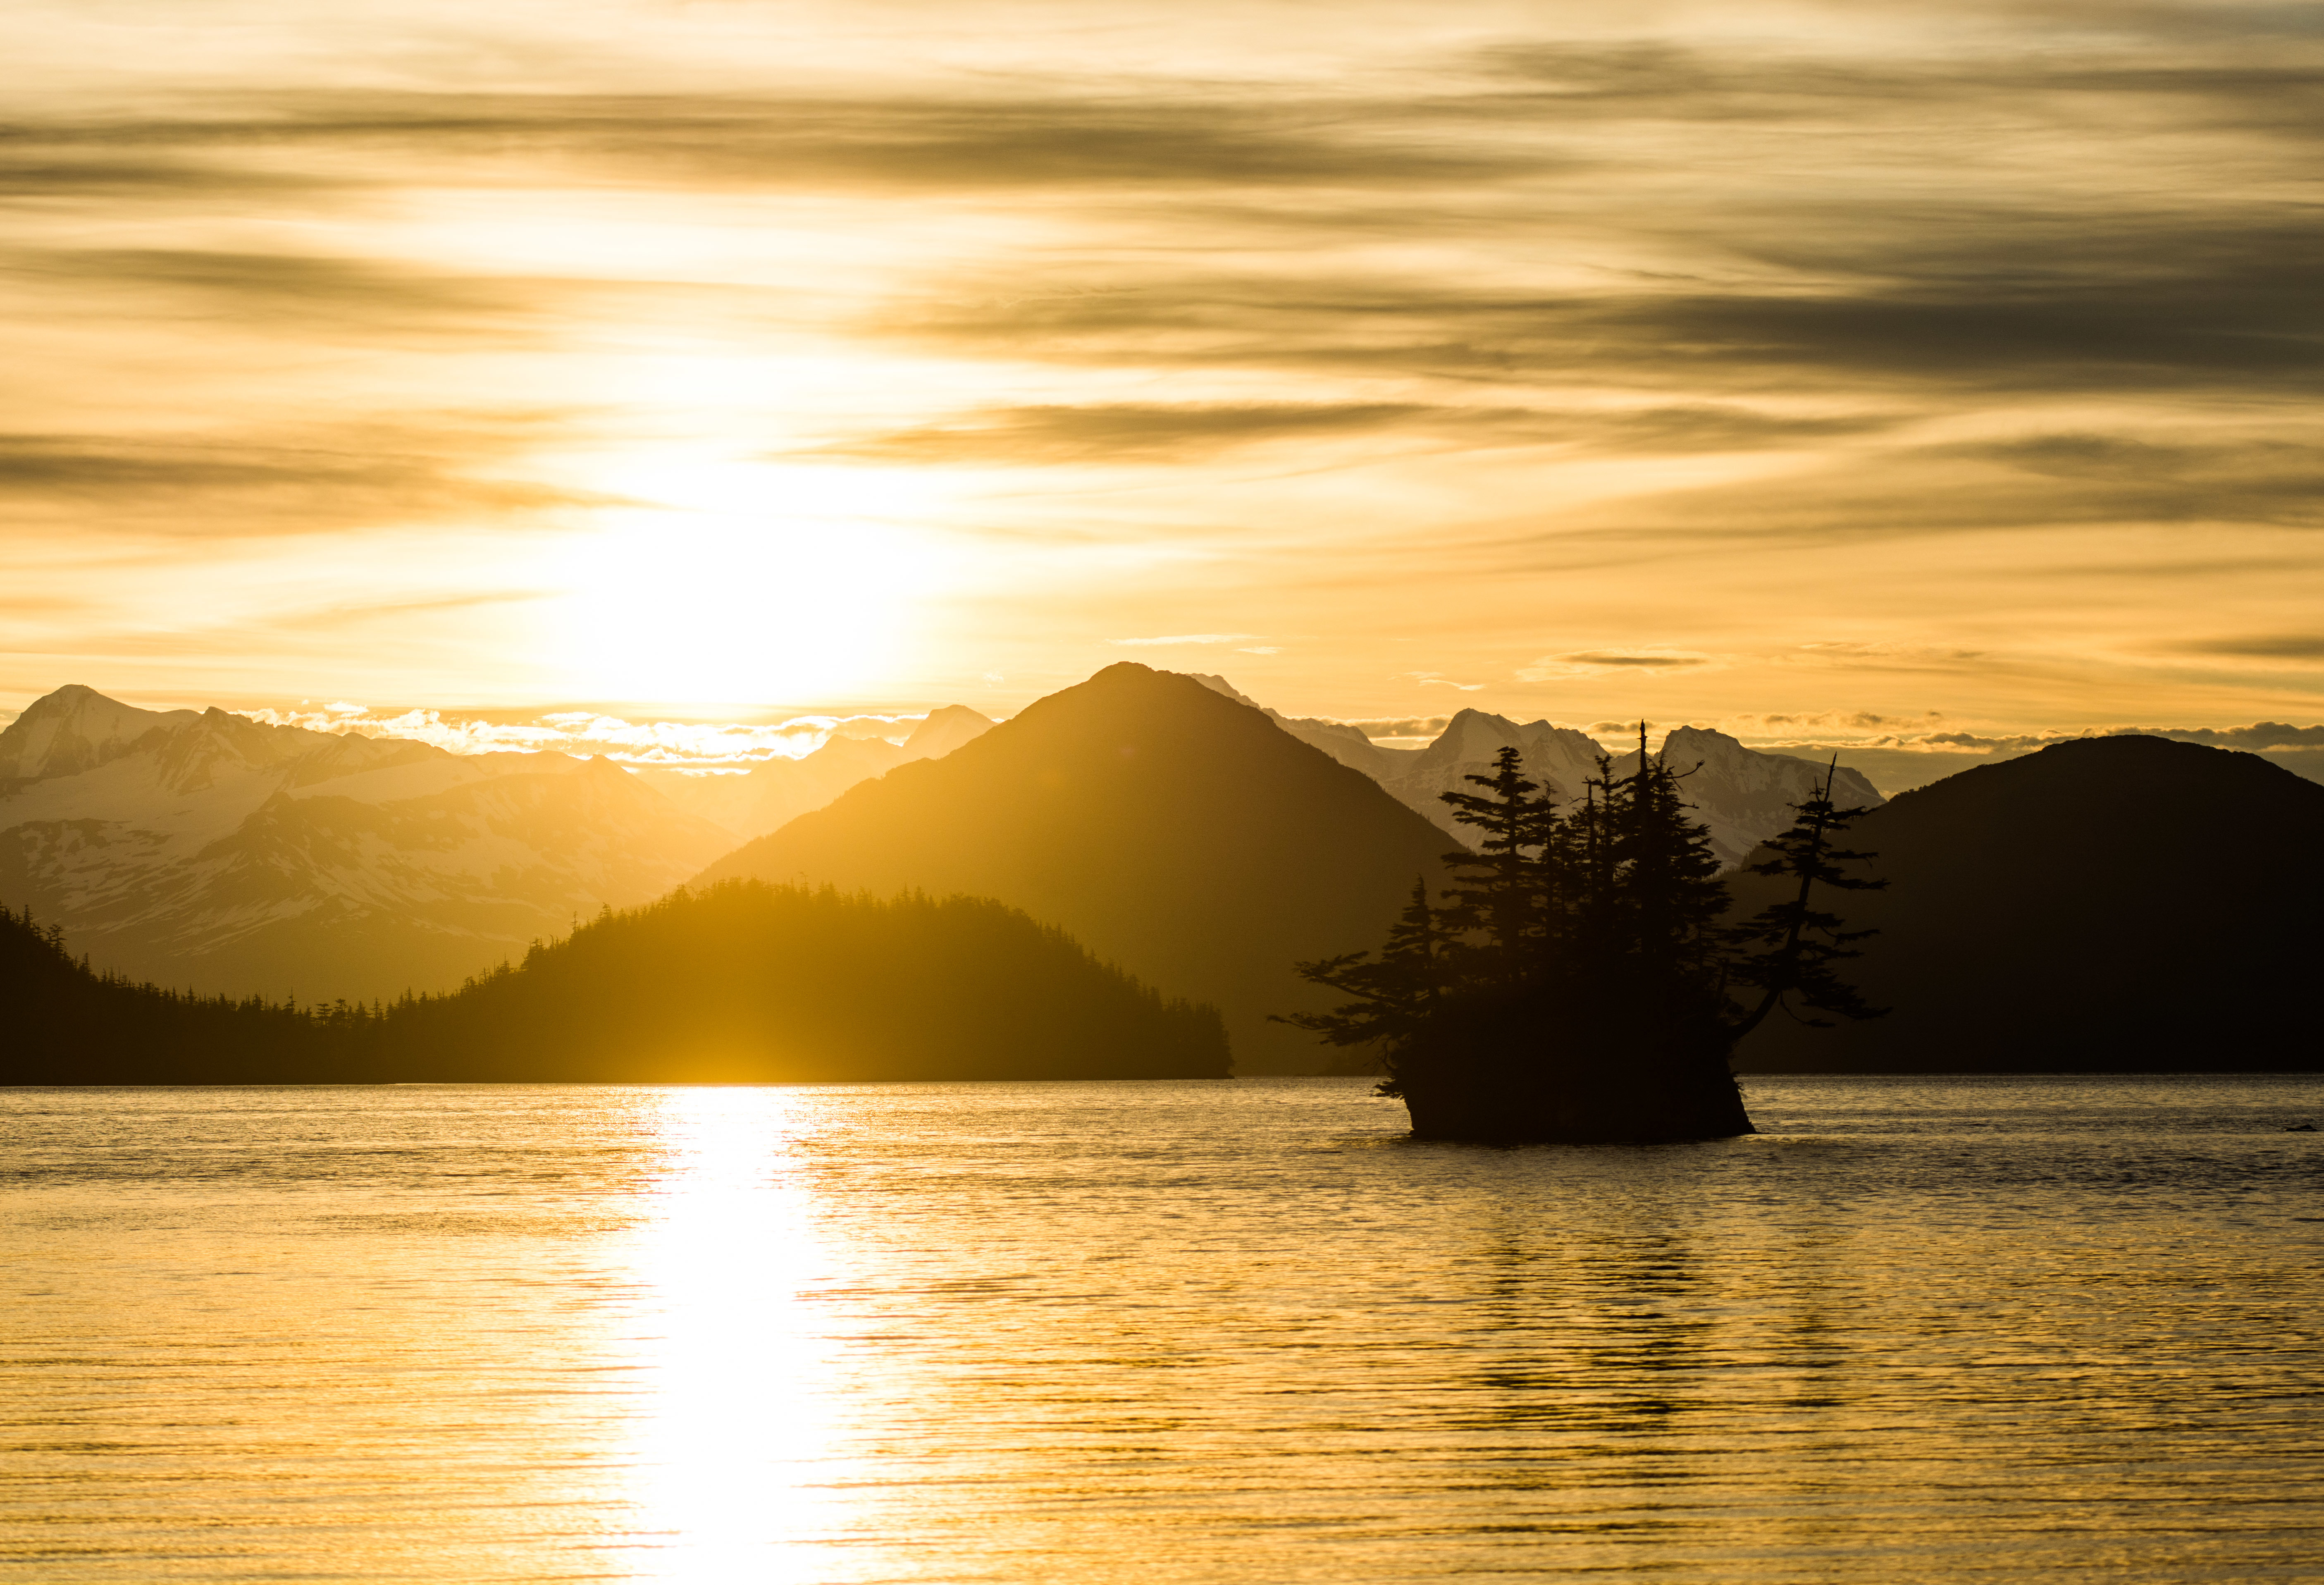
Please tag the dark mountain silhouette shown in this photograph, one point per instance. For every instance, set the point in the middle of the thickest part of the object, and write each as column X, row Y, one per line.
column 742, row 984
column 1173, row 830
column 2121, row 904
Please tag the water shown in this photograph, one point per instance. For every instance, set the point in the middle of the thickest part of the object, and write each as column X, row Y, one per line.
column 1921, row 1330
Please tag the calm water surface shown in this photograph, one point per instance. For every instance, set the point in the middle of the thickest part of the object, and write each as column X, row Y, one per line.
column 1919, row 1330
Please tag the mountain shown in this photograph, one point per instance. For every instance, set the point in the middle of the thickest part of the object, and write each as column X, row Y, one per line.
column 73, row 730
column 779, row 791
column 209, row 850
column 744, row 983
column 1743, row 796
column 1558, row 755
column 2118, row 904
column 738, row 984
column 1168, row 828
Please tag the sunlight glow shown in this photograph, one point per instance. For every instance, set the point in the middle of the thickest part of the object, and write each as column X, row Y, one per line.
column 731, row 1464
column 742, row 581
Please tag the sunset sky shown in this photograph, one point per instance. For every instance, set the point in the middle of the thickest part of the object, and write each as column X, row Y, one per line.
column 1807, row 369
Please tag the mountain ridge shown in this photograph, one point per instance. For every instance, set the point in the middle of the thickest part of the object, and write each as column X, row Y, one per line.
column 205, row 849
column 1173, row 831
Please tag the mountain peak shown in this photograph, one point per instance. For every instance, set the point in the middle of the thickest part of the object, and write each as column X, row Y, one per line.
column 75, row 729
column 1121, row 671
column 1700, row 740
column 1170, row 829
column 1469, row 736
column 945, row 728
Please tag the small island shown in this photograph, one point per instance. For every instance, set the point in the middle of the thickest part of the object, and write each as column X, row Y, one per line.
column 1581, row 982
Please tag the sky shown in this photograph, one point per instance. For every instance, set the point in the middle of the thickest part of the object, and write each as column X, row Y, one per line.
column 1873, row 371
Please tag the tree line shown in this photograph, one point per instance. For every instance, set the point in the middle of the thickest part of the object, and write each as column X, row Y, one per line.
column 739, row 983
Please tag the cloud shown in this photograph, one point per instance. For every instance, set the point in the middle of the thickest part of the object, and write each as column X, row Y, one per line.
column 1176, row 639
column 1889, row 657
column 2264, row 736
column 678, row 745
column 1985, row 298
column 1613, row 662
column 319, row 482
column 1758, row 725
column 1473, row 302
column 1122, row 431
column 2258, row 735
column 1402, row 726
column 2296, row 647
column 1143, row 432
column 1186, row 138
column 2050, row 283
column 298, row 294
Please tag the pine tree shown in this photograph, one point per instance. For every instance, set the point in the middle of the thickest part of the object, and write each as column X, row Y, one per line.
column 1504, row 891
column 1395, row 995
column 1787, row 949
column 1664, row 895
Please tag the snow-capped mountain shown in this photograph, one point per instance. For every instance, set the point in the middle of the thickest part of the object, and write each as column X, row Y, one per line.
column 1557, row 755
column 775, row 793
column 1744, row 796
column 205, row 849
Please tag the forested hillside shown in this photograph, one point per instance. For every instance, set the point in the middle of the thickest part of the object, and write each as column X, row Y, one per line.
column 739, row 983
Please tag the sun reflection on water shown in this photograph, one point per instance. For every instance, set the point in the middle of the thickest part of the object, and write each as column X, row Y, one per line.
column 731, row 1465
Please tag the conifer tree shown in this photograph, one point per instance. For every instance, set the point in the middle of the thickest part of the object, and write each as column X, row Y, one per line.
column 1504, row 891
column 1396, row 995
column 1787, row 949
column 1665, row 894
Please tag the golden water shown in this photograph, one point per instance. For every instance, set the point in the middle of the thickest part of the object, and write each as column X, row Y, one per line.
column 1918, row 1330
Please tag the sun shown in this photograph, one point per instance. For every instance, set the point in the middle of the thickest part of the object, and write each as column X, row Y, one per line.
column 737, row 582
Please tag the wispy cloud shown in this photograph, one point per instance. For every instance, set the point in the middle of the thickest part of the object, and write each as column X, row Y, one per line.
column 1185, row 639
column 2296, row 648
column 351, row 476
column 1623, row 662
column 1415, row 331
column 676, row 745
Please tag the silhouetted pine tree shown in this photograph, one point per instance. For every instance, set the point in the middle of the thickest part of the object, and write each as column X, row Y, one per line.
column 1662, row 893
column 1395, row 994
column 1506, row 894
column 69, row 1025
column 1787, row 949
